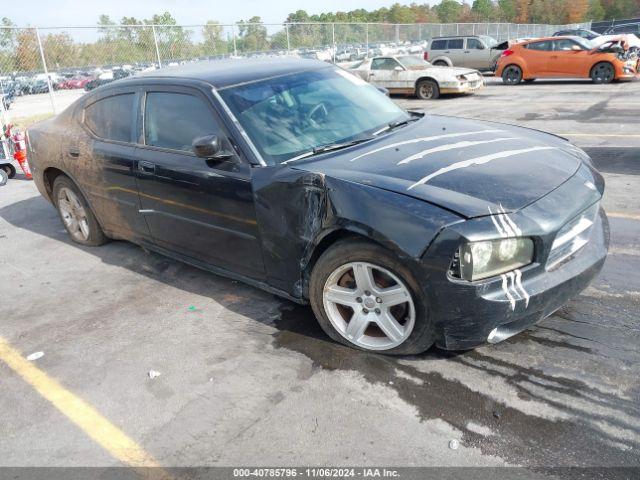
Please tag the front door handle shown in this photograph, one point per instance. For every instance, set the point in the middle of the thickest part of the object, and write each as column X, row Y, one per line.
column 74, row 152
column 146, row 168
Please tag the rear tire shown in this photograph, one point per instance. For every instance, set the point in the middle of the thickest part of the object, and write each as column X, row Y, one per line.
column 440, row 63
column 427, row 90
column 512, row 75
column 76, row 214
column 359, row 281
column 603, row 72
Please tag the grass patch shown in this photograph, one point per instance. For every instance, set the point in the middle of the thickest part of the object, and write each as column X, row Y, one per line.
column 22, row 123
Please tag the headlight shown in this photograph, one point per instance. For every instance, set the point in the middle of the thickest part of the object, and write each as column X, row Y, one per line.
column 462, row 78
column 478, row 260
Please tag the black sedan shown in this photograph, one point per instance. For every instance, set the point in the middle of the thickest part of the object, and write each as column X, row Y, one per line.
column 400, row 229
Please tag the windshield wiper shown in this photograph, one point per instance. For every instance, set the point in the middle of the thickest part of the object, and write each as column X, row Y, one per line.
column 399, row 123
column 328, row 148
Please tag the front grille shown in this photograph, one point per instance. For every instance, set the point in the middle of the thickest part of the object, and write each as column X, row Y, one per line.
column 572, row 237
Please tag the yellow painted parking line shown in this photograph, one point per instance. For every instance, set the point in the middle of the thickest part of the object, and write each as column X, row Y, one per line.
column 629, row 216
column 86, row 417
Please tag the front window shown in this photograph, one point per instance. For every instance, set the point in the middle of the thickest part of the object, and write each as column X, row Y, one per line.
column 291, row 115
column 173, row 120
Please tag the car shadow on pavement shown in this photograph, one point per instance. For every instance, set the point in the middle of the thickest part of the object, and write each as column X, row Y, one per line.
column 292, row 320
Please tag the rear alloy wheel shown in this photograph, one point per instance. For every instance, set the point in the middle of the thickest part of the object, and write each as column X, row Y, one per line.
column 602, row 72
column 427, row 90
column 4, row 177
column 512, row 75
column 364, row 297
column 76, row 215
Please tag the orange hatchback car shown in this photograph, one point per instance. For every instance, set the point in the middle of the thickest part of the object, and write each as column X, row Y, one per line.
column 566, row 57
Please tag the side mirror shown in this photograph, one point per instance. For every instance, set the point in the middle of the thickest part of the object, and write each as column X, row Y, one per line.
column 398, row 69
column 480, row 47
column 210, row 147
column 576, row 48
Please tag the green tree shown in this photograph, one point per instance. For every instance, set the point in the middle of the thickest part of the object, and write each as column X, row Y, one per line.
column 448, row 11
column 106, row 27
column 214, row 43
column 253, row 35
column 507, row 10
column 596, row 10
column 483, row 10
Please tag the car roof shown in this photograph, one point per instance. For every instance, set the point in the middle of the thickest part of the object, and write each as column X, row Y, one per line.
column 229, row 72
column 559, row 37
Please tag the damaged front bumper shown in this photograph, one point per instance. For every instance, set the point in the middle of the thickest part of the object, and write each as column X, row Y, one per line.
column 462, row 87
column 467, row 314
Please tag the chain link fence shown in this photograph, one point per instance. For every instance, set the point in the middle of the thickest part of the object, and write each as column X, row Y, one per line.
column 53, row 60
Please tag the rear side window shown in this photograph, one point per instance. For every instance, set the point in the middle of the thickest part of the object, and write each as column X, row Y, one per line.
column 455, row 44
column 439, row 45
column 111, row 117
column 542, row 46
column 174, row 120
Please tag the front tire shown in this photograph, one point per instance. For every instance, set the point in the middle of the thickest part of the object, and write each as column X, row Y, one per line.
column 10, row 169
column 512, row 75
column 427, row 90
column 365, row 298
column 603, row 72
column 75, row 213
column 4, row 177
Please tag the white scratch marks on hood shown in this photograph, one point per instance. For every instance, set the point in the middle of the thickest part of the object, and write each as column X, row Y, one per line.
column 452, row 146
column 479, row 161
column 424, row 139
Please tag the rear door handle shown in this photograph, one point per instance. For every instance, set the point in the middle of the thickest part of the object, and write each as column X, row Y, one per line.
column 74, row 152
column 147, row 168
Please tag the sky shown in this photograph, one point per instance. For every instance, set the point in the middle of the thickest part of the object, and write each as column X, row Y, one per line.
column 85, row 12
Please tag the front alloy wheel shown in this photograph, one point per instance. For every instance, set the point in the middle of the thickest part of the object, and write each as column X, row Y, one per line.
column 603, row 72
column 369, row 306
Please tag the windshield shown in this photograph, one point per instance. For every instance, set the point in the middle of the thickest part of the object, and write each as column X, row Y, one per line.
column 288, row 116
column 412, row 61
column 584, row 43
column 489, row 41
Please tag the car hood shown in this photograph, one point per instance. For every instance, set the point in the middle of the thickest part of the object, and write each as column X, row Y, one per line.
column 466, row 166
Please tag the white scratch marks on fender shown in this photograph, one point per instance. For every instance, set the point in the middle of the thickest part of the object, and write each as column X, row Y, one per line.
column 423, row 139
column 479, row 161
column 451, row 146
